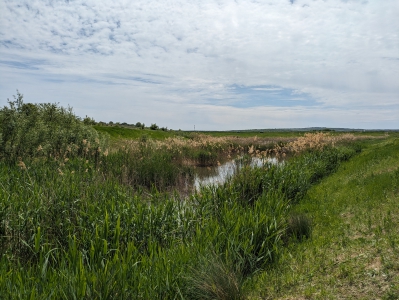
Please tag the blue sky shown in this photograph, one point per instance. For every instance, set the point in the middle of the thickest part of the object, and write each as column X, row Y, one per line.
column 218, row 65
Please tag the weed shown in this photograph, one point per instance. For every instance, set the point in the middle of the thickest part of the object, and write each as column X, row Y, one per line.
column 299, row 226
column 213, row 278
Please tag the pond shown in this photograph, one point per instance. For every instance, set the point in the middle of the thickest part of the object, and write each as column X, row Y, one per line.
column 206, row 176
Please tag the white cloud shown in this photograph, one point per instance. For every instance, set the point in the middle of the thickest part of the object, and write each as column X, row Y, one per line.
column 170, row 60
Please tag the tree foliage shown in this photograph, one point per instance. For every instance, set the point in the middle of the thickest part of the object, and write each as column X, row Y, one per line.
column 154, row 127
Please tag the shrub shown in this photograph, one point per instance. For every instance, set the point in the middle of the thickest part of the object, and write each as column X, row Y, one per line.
column 44, row 130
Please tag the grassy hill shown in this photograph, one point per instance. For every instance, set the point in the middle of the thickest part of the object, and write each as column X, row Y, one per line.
column 119, row 132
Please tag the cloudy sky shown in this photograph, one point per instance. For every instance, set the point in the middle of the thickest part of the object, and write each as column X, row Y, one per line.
column 215, row 64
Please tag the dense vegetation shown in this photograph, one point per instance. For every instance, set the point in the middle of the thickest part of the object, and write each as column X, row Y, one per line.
column 79, row 221
column 354, row 249
column 34, row 130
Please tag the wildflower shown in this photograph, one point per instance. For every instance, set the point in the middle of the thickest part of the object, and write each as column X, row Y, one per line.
column 60, row 172
column 40, row 148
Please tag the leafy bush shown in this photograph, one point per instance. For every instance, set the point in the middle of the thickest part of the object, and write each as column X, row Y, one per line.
column 44, row 130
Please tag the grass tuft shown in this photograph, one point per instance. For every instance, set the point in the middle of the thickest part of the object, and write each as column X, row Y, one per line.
column 213, row 278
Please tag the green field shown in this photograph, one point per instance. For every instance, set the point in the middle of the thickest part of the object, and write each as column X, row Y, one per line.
column 85, row 218
column 119, row 132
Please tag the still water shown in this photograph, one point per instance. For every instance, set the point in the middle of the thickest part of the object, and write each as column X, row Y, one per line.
column 206, row 176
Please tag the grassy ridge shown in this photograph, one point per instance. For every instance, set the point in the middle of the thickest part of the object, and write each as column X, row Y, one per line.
column 118, row 132
column 285, row 133
column 355, row 242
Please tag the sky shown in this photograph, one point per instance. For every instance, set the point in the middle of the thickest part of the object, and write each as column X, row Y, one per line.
column 212, row 64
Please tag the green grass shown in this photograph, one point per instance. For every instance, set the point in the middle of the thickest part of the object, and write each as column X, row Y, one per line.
column 118, row 132
column 81, row 222
column 354, row 245
column 288, row 133
column 74, row 229
column 258, row 133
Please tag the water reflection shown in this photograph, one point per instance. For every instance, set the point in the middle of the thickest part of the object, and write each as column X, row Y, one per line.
column 218, row 175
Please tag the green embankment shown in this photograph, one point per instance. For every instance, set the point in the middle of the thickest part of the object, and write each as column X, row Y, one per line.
column 118, row 132
column 353, row 252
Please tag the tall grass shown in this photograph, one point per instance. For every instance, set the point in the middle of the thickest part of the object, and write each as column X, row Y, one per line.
column 78, row 227
column 353, row 249
column 78, row 235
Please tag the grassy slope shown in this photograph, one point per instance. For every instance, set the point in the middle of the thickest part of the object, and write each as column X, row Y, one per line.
column 117, row 132
column 354, row 249
column 265, row 134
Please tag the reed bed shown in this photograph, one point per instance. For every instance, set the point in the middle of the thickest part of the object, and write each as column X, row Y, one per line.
column 78, row 234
